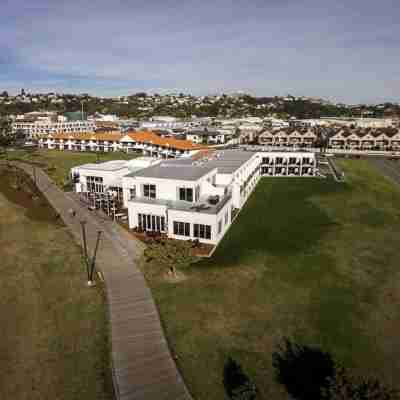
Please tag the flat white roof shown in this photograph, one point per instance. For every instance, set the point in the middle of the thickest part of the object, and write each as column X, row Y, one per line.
column 113, row 165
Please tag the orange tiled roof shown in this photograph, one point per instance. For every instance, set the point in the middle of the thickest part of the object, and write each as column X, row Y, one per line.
column 110, row 136
column 148, row 136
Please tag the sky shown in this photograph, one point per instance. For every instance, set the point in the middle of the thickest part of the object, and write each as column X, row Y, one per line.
column 343, row 50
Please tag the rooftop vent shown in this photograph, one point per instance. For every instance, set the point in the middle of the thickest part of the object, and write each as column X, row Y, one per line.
column 213, row 200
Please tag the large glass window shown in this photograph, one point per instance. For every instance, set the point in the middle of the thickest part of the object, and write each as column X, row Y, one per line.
column 149, row 191
column 132, row 193
column 186, row 194
column 181, row 228
column 151, row 222
column 202, row 231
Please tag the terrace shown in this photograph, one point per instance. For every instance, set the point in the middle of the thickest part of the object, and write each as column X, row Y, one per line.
column 205, row 205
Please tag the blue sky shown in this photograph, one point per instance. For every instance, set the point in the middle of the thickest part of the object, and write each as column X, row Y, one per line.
column 343, row 50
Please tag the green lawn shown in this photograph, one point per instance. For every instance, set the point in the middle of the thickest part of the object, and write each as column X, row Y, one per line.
column 54, row 333
column 58, row 163
column 311, row 259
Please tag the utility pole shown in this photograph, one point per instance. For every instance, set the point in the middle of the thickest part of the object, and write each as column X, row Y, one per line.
column 85, row 252
column 34, row 174
column 90, row 264
column 93, row 263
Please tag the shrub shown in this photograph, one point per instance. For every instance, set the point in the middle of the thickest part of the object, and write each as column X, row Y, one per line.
column 170, row 253
column 237, row 384
column 344, row 386
column 304, row 371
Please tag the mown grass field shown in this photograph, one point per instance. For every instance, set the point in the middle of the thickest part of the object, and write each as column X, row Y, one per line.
column 58, row 163
column 309, row 259
column 54, row 330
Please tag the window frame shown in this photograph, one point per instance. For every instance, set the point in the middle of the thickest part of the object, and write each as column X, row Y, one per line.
column 149, row 191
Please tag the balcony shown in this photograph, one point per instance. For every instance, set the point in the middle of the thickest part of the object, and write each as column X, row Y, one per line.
column 202, row 206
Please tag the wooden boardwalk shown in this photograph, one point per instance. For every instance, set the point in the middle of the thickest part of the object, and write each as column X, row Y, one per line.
column 143, row 368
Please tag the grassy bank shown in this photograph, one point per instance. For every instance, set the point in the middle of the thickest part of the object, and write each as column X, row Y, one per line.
column 58, row 163
column 54, row 342
column 310, row 259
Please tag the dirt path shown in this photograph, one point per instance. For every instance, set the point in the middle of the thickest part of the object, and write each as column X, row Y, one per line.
column 143, row 367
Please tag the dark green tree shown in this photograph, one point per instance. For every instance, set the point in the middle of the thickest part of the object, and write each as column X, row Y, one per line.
column 303, row 370
column 7, row 137
column 237, row 384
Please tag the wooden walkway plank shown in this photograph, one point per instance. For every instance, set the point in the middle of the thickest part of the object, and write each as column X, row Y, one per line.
column 143, row 368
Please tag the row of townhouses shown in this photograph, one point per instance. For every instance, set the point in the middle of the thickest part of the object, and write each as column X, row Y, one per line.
column 289, row 137
column 194, row 198
column 359, row 139
column 336, row 138
column 146, row 143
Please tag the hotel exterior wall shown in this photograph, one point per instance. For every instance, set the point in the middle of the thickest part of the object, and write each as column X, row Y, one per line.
column 166, row 189
column 109, row 177
column 201, row 218
column 135, row 208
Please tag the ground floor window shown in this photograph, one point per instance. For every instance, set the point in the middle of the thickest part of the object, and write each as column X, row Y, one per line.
column 202, row 231
column 181, row 228
column 149, row 222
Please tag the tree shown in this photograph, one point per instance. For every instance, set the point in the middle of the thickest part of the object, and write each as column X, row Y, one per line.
column 322, row 141
column 7, row 137
column 303, row 370
column 237, row 384
column 344, row 386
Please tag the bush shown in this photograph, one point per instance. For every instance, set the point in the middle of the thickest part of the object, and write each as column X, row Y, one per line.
column 237, row 385
column 344, row 386
column 304, row 371
column 170, row 253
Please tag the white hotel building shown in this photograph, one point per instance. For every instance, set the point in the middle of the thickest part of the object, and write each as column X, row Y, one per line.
column 195, row 199
column 43, row 128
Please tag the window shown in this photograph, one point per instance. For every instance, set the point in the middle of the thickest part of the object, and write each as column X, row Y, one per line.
column 151, row 222
column 219, row 226
column 202, row 231
column 226, row 217
column 181, row 228
column 149, row 191
column 186, row 194
column 94, row 184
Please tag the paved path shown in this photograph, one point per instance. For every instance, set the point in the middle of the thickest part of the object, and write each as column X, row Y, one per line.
column 142, row 364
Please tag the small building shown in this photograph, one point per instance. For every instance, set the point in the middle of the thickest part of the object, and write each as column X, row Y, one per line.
column 208, row 136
